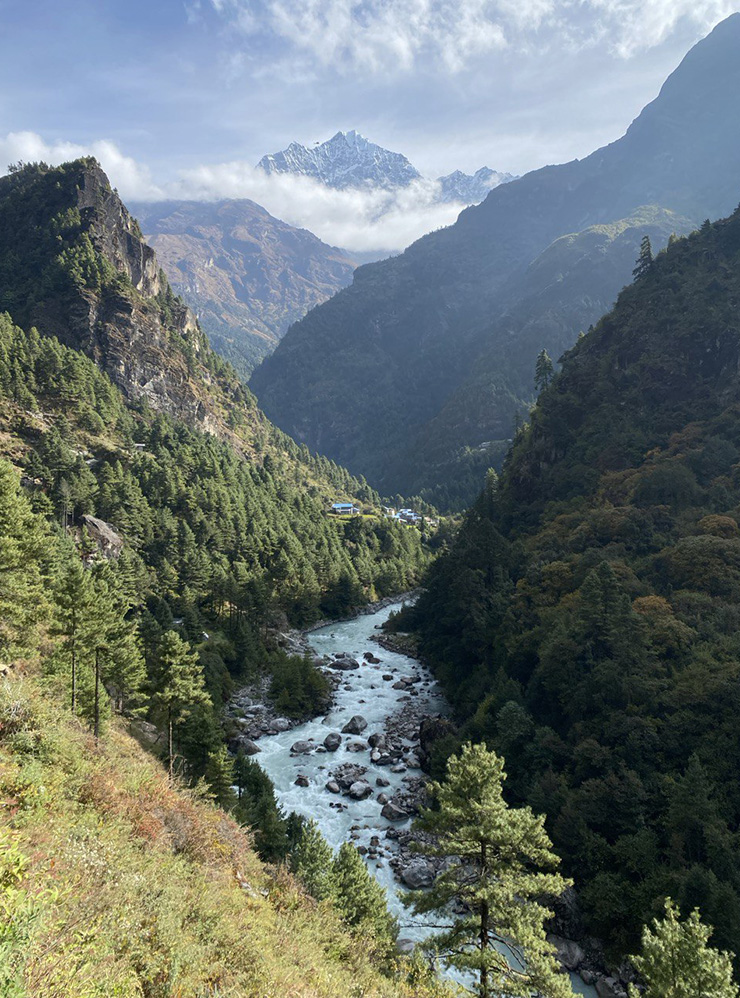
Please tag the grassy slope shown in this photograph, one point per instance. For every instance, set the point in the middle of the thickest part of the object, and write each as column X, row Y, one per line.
column 132, row 887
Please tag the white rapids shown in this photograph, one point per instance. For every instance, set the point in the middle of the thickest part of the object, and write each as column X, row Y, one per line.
column 362, row 691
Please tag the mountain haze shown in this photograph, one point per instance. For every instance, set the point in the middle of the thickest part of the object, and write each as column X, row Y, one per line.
column 247, row 275
column 363, row 375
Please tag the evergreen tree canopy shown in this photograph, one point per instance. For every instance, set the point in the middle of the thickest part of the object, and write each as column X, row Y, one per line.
column 312, row 861
column 359, row 898
column 500, row 876
column 677, row 962
column 543, row 371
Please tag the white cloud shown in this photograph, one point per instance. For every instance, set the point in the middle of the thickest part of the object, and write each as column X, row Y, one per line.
column 133, row 180
column 636, row 25
column 392, row 37
column 358, row 220
column 377, row 35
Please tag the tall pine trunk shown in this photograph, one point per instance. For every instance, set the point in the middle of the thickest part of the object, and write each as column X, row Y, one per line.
column 171, row 758
column 97, row 693
column 74, row 678
column 484, row 913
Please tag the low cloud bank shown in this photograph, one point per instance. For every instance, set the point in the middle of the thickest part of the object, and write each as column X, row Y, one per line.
column 361, row 221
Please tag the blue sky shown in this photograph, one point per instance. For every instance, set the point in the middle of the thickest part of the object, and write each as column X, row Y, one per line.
column 184, row 96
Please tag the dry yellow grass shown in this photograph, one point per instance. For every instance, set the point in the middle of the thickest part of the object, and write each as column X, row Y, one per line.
column 113, row 883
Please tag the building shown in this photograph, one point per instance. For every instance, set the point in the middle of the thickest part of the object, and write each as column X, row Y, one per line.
column 344, row 509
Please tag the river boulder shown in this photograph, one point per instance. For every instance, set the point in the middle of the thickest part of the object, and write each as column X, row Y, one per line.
column 360, row 790
column 610, row 987
column 417, row 875
column 348, row 774
column 333, row 787
column 355, row 726
column 344, row 664
column 301, row 748
column 570, row 954
column 393, row 813
column 279, row 724
column 332, row 741
column 301, row 780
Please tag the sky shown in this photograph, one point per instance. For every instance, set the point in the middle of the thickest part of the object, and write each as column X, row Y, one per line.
column 181, row 98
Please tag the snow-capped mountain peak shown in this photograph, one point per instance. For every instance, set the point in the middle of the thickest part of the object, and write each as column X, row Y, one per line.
column 347, row 159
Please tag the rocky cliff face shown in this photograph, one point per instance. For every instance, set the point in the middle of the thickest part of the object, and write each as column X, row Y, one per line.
column 73, row 263
column 247, row 275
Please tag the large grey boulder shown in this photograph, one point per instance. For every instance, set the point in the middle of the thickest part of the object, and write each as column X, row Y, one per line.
column 570, row 954
column 110, row 544
column 610, row 987
column 281, row 724
column 301, row 748
column 249, row 747
column 344, row 664
column 393, row 813
column 360, row 790
column 355, row 726
column 332, row 741
column 417, row 875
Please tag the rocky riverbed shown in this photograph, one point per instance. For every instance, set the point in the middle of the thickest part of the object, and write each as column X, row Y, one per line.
column 357, row 769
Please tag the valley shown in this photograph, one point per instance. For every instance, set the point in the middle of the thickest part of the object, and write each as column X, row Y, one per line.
column 369, row 617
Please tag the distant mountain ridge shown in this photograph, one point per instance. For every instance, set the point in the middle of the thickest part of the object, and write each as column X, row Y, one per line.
column 417, row 327
column 349, row 160
column 246, row 274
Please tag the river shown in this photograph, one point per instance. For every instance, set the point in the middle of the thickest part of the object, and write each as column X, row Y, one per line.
column 364, row 692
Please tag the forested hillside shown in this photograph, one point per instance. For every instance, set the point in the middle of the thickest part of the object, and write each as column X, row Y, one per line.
column 113, row 878
column 586, row 623
column 218, row 521
column 432, row 351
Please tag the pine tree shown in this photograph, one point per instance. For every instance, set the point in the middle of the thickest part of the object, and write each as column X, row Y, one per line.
column 644, row 260
column 312, row 861
column 677, row 962
column 543, row 371
column 219, row 775
column 178, row 686
column 73, row 599
column 359, row 897
column 24, row 541
column 498, row 877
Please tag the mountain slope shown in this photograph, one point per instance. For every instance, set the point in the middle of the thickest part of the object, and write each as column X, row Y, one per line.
column 411, row 330
column 566, row 288
column 248, row 276
column 585, row 622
